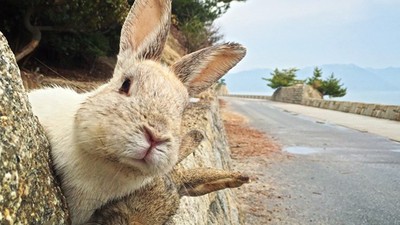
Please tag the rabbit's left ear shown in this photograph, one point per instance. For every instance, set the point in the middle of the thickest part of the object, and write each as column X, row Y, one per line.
column 145, row 29
column 201, row 69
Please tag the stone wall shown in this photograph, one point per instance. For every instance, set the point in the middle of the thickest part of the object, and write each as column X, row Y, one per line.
column 306, row 95
column 219, row 207
column 28, row 191
column 390, row 112
column 250, row 96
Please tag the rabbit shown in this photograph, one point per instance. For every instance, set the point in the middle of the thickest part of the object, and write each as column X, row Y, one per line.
column 156, row 202
column 113, row 140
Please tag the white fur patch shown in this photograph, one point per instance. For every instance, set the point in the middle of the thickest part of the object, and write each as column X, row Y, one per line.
column 194, row 100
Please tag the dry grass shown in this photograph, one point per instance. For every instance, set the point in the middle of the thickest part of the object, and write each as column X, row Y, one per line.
column 245, row 141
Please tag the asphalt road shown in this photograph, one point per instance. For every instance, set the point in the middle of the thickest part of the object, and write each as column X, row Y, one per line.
column 337, row 175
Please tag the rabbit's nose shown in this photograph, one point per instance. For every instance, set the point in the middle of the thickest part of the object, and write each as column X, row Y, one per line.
column 152, row 138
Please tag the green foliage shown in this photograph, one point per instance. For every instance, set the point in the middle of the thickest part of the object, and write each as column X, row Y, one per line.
column 332, row 87
column 221, row 83
column 76, row 15
column 287, row 77
column 199, row 35
column 205, row 11
column 77, row 48
column 282, row 78
column 195, row 19
column 316, row 80
column 72, row 30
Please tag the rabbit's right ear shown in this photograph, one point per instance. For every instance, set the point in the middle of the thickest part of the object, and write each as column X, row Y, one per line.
column 145, row 30
column 199, row 70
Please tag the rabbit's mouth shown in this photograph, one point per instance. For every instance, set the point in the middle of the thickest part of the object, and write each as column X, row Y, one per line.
column 153, row 161
column 149, row 154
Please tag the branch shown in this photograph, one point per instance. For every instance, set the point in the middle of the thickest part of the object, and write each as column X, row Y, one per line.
column 36, row 36
column 36, row 32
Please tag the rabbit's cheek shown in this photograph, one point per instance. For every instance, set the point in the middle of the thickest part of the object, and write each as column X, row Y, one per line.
column 162, row 158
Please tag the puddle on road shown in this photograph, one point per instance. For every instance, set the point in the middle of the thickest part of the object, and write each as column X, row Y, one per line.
column 398, row 151
column 302, row 150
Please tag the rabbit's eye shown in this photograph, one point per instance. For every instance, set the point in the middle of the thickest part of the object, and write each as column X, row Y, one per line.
column 125, row 87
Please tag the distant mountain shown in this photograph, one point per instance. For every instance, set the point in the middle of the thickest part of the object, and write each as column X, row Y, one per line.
column 356, row 78
column 390, row 71
column 249, row 82
column 391, row 74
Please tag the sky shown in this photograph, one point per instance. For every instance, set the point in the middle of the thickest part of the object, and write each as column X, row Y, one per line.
column 301, row 33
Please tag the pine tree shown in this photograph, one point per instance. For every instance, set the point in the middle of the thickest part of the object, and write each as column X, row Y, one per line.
column 284, row 78
column 332, row 87
column 316, row 80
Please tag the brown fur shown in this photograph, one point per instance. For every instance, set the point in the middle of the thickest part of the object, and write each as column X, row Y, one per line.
column 156, row 202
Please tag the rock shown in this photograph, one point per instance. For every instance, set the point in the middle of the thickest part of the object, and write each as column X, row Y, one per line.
column 29, row 193
column 222, row 90
column 295, row 94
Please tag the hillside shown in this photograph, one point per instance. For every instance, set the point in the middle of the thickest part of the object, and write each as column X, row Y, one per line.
column 83, row 79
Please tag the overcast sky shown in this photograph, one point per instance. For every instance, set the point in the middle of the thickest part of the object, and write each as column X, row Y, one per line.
column 300, row 33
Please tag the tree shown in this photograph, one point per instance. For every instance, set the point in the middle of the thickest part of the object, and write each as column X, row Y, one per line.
column 332, row 87
column 72, row 20
column 329, row 86
column 206, row 11
column 222, row 82
column 284, row 78
column 196, row 19
column 316, row 80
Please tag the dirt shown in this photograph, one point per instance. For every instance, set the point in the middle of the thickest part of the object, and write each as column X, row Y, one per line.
column 252, row 152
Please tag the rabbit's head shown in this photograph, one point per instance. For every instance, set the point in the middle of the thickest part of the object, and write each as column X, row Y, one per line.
column 134, row 120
